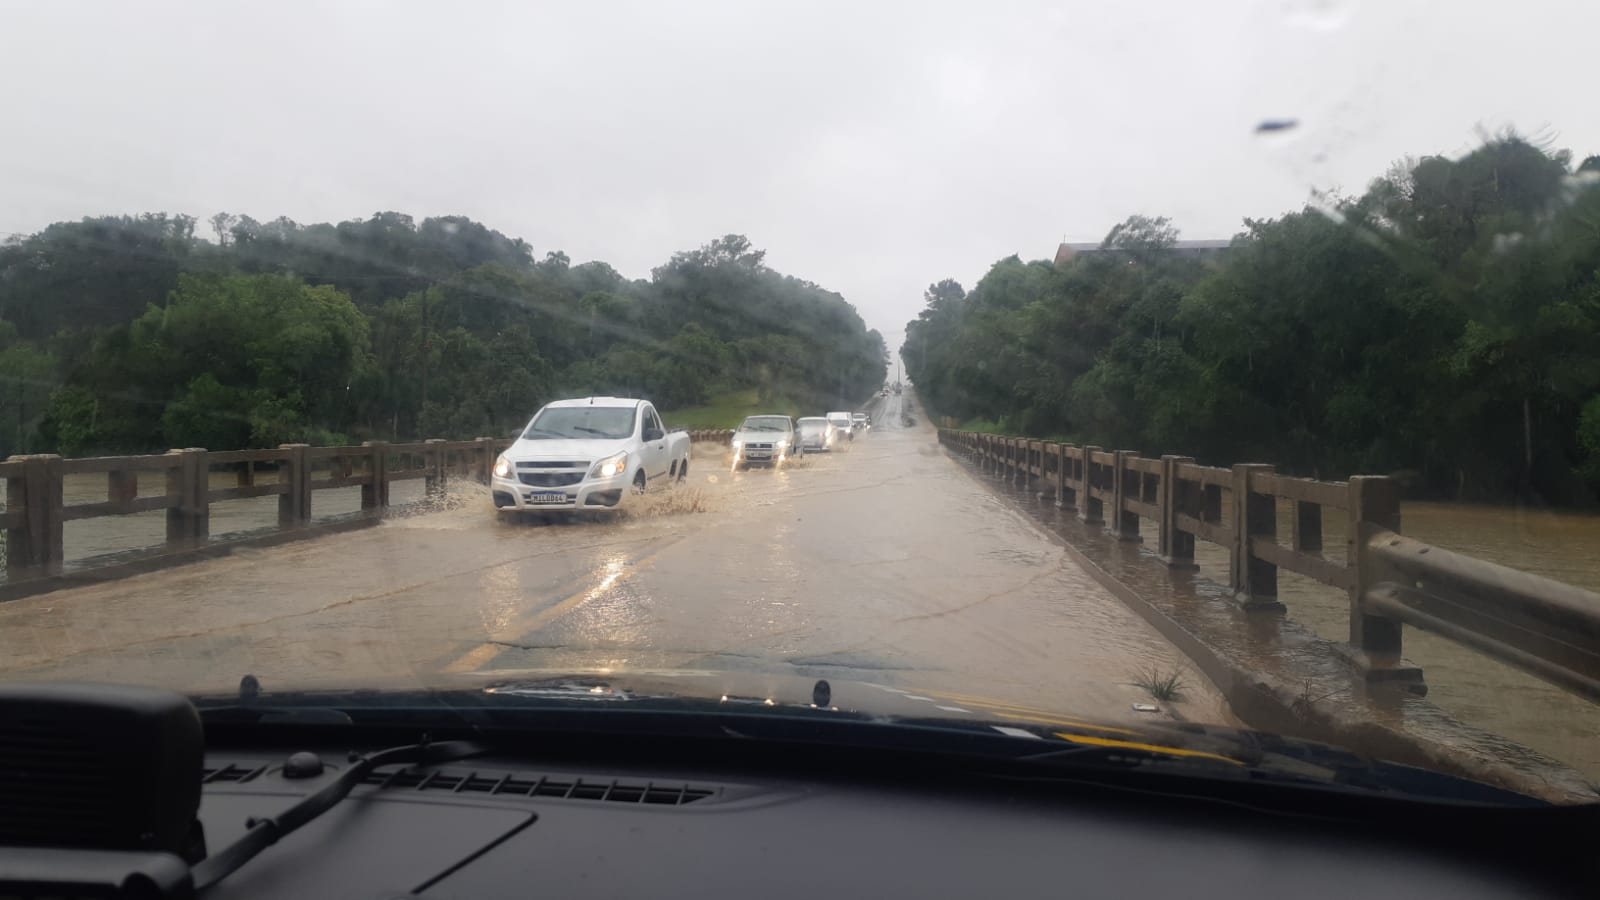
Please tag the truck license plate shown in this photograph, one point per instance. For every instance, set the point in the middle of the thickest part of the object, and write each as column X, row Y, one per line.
column 547, row 497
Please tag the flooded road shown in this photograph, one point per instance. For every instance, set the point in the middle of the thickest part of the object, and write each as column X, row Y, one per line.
column 883, row 563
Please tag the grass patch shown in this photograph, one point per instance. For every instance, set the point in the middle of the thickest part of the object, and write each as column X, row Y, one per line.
column 990, row 426
column 1166, row 685
column 983, row 426
column 727, row 411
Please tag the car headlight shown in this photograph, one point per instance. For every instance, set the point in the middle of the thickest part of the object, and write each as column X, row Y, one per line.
column 782, row 442
column 611, row 466
column 738, row 444
column 502, row 467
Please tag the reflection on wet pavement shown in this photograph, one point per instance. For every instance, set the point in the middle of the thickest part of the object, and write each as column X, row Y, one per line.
column 883, row 562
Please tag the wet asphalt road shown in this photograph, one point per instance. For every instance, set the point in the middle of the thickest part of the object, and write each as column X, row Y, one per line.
column 885, row 563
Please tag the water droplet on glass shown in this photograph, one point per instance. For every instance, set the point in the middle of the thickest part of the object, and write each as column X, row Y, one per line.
column 1266, row 126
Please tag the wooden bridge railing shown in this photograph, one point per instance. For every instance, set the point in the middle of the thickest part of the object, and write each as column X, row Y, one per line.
column 1542, row 626
column 715, row 436
column 37, row 507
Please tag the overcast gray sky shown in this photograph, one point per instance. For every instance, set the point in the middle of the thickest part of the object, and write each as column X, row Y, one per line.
column 869, row 147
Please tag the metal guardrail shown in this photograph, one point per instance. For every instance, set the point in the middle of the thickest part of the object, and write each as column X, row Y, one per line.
column 1541, row 626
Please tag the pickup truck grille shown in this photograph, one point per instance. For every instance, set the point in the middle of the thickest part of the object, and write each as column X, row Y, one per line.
column 553, row 464
column 764, row 446
column 550, row 479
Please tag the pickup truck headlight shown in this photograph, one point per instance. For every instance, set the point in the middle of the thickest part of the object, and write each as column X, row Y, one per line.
column 782, row 443
column 738, row 444
column 611, row 466
column 502, row 467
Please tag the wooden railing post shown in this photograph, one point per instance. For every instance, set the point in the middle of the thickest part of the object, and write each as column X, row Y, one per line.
column 34, row 547
column 1050, row 477
column 1177, row 496
column 1091, row 509
column 294, row 504
column 436, row 481
column 1124, row 524
column 1063, row 474
column 189, row 521
column 483, row 459
column 1254, row 580
column 1180, row 497
column 1375, row 640
column 375, row 490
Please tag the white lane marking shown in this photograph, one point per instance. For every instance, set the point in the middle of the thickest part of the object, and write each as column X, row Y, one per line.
column 884, row 687
column 954, row 709
column 917, row 697
column 1015, row 732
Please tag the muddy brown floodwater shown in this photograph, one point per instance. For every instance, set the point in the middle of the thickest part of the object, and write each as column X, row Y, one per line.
column 883, row 563
column 1473, row 687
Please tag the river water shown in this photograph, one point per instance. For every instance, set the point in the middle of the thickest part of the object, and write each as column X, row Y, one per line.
column 1473, row 687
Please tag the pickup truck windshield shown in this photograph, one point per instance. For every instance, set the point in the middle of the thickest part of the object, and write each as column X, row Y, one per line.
column 612, row 422
column 764, row 423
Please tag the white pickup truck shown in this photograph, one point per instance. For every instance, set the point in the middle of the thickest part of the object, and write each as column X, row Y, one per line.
column 588, row 454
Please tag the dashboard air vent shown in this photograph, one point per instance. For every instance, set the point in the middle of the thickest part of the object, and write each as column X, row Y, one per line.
column 520, row 784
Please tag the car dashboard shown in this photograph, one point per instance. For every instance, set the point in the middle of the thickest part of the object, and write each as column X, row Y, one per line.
column 513, row 826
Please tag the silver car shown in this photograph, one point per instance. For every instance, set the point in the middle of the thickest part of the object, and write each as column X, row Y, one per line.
column 815, row 434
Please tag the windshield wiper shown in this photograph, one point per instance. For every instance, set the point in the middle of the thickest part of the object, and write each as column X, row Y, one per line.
column 587, row 430
column 545, row 432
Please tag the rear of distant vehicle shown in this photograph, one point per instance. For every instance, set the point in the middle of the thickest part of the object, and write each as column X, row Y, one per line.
column 815, row 434
column 843, row 424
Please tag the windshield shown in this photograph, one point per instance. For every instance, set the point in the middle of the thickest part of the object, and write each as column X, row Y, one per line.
column 610, row 422
column 1229, row 364
column 764, row 423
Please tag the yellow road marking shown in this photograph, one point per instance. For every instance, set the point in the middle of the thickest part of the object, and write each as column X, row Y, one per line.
column 475, row 658
column 487, row 650
column 1140, row 745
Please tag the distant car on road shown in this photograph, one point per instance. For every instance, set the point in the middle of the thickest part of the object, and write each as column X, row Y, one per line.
column 842, row 422
column 588, row 455
column 764, row 441
column 861, row 421
column 815, row 434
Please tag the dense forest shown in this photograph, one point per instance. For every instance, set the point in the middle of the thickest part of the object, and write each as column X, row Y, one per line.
column 1443, row 326
column 123, row 334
